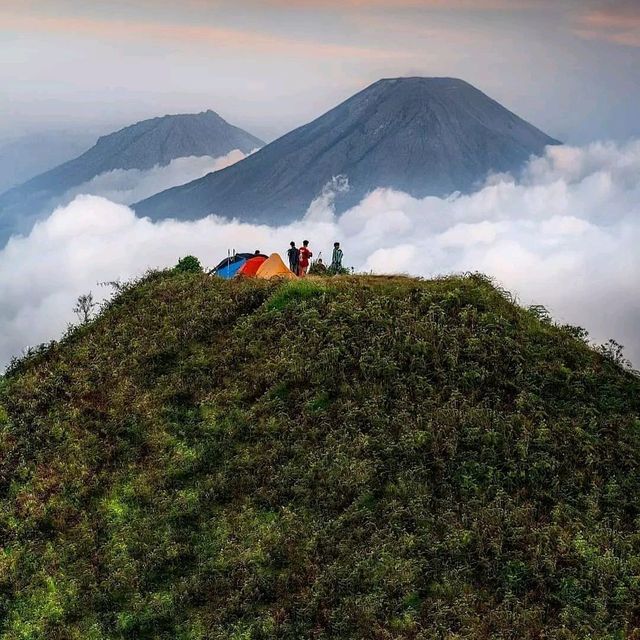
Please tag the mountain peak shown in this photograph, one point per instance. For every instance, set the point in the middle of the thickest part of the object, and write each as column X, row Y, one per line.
column 143, row 145
column 185, row 121
column 418, row 83
column 424, row 136
column 433, row 80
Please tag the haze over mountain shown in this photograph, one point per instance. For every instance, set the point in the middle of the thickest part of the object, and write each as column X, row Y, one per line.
column 142, row 146
column 424, row 136
column 26, row 156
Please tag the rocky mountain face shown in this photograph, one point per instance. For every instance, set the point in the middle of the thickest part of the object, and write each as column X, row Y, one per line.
column 424, row 136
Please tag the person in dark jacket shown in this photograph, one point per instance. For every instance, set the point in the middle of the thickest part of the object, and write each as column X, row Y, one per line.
column 294, row 257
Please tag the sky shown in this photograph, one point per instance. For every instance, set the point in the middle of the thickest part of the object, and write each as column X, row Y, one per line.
column 569, row 66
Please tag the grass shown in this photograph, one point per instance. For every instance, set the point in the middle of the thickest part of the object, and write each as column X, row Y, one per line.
column 358, row 457
column 295, row 291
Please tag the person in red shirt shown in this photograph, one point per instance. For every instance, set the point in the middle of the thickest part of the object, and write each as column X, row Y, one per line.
column 305, row 256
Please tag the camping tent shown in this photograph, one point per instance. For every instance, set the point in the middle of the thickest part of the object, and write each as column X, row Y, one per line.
column 227, row 272
column 251, row 266
column 229, row 260
column 230, row 266
column 274, row 268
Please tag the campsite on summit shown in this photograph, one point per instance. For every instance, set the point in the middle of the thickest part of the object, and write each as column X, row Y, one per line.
column 362, row 365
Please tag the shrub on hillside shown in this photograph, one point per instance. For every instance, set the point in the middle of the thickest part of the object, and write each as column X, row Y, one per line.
column 317, row 269
column 188, row 264
column 378, row 458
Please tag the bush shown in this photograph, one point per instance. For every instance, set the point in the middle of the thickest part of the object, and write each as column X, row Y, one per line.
column 364, row 457
column 188, row 264
column 339, row 271
column 322, row 270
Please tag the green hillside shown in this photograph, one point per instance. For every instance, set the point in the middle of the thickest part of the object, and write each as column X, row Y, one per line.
column 366, row 458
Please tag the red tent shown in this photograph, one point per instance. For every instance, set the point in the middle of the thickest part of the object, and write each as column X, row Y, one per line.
column 251, row 266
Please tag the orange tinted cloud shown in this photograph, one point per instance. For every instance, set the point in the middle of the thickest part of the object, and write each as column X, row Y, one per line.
column 470, row 5
column 397, row 4
column 478, row 5
column 618, row 23
column 212, row 36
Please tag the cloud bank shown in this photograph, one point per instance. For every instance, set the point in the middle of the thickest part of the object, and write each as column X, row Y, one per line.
column 564, row 235
column 616, row 21
column 127, row 186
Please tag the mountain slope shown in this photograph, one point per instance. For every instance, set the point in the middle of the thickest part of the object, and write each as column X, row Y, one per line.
column 425, row 136
column 351, row 458
column 140, row 146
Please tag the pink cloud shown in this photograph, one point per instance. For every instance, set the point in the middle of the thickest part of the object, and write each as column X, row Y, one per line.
column 212, row 36
column 618, row 23
column 479, row 5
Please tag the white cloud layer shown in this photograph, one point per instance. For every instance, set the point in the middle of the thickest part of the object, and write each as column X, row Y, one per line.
column 566, row 236
column 126, row 186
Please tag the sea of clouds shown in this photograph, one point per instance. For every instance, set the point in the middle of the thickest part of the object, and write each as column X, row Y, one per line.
column 127, row 186
column 565, row 234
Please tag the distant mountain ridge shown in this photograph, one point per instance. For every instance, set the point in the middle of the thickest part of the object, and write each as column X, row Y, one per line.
column 144, row 145
column 424, row 136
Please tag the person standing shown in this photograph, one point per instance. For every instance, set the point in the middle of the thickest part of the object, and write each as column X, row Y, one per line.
column 336, row 258
column 294, row 257
column 305, row 257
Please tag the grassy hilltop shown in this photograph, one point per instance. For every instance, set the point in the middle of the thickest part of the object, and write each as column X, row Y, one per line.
column 347, row 458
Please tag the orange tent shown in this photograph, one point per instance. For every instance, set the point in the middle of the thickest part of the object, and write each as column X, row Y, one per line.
column 273, row 267
column 251, row 266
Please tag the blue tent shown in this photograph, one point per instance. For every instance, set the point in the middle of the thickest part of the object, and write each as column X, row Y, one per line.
column 231, row 259
column 227, row 272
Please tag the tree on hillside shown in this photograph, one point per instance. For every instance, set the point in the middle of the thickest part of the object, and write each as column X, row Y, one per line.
column 84, row 307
